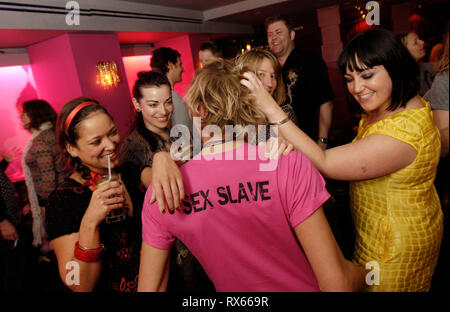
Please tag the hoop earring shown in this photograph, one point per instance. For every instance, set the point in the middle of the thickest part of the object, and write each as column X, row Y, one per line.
column 138, row 110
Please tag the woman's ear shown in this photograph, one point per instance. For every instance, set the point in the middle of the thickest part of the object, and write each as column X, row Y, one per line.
column 136, row 104
column 72, row 150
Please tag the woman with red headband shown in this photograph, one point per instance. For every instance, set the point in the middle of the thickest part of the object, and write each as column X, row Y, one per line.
column 93, row 251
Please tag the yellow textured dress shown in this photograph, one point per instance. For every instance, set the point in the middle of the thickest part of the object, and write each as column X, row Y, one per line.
column 398, row 217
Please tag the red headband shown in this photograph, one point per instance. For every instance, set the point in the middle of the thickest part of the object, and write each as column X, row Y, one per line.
column 75, row 111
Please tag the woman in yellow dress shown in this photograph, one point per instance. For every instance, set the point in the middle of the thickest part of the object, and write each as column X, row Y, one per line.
column 391, row 163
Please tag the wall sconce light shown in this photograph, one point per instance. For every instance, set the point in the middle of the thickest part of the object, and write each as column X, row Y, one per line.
column 107, row 75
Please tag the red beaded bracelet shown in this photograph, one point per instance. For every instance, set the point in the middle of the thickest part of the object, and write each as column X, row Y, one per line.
column 93, row 255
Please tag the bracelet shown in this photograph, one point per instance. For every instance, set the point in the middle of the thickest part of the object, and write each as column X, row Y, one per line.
column 281, row 122
column 90, row 249
column 88, row 255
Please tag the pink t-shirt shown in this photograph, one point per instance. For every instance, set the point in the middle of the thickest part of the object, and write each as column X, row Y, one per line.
column 239, row 221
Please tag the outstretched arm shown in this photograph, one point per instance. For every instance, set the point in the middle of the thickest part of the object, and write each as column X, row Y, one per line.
column 360, row 160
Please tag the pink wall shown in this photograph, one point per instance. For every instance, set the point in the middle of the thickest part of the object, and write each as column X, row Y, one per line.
column 16, row 86
column 186, row 45
column 134, row 65
column 88, row 50
column 183, row 45
column 65, row 68
column 196, row 41
column 55, row 70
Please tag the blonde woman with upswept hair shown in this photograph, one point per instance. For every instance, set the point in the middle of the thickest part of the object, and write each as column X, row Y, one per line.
column 243, row 224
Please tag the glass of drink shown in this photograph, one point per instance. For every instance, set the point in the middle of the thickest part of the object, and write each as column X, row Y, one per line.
column 116, row 215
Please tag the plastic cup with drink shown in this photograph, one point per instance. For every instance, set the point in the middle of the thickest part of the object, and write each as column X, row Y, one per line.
column 118, row 214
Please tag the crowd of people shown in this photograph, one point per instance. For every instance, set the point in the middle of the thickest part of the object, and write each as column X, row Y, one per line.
column 239, row 213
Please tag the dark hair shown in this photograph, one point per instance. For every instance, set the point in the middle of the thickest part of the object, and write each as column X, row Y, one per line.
column 276, row 18
column 402, row 37
column 39, row 111
column 71, row 135
column 161, row 58
column 147, row 79
column 211, row 46
column 381, row 47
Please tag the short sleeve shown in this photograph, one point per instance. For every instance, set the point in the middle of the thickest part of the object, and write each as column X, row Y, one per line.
column 301, row 187
column 404, row 128
column 66, row 208
column 154, row 231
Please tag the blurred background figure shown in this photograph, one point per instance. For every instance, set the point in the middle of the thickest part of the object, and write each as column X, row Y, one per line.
column 416, row 48
column 306, row 77
column 438, row 96
column 43, row 165
column 436, row 52
column 12, row 261
column 208, row 53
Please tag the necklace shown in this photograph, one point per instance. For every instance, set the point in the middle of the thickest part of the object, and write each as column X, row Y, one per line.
column 216, row 142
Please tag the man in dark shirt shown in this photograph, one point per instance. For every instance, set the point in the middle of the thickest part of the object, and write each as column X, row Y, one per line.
column 306, row 78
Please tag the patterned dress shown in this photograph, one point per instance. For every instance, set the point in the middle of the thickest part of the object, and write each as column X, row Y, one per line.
column 398, row 217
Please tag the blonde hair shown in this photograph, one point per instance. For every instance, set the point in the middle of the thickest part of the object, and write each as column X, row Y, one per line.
column 251, row 59
column 217, row 89
column 442, row 64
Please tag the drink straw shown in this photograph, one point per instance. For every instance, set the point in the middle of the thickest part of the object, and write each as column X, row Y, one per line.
column 109, row 168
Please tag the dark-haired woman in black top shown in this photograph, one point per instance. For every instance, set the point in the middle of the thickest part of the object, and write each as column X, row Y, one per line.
column 94, row 253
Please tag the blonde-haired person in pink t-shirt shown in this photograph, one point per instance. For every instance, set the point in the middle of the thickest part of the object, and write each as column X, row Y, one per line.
column 251, row 229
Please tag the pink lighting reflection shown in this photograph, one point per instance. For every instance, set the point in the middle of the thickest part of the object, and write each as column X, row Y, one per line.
column 16, row 86
column 133, row 65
